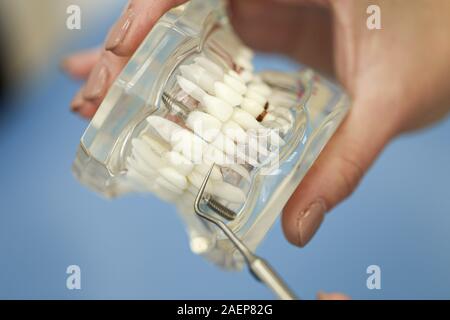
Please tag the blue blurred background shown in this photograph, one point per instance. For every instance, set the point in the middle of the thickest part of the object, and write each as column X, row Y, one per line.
column 136, row 248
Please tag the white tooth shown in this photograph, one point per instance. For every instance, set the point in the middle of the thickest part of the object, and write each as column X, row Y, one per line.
column 228, row 192
column 174, row 177
column 246, row 76
column 284, row 125
column 191, row 88
column 143, row 182
column 227, row 94
column 252, row 107
column 179, row 162
column 210, row 66
column 253, row 95
column 189, row 145
column 164, row 183
column 268, row 117
column 284, row 100
column 236, row 84
column 225, row 144
column 198, row 75
column 143, row 151
column 203, row 169
column 261, row 88
column 245, row 119
column 217, row 108
column 236, row 75
column 196, row 179
column 165, row 128
column 234, row 131
column 204, row 125
column 142, row 167
column 156, row 146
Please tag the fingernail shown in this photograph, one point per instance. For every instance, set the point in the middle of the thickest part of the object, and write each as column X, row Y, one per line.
column 77, row 102
column 119, row 31
column 309, row 220
column 96, row 84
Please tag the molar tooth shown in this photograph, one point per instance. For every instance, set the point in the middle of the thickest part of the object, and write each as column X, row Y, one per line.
column 204, row 125
column 191, row 88
column 252, row 107
column 210, row 66
column 174, row 177
column 228, row 192
column 235, row 84
column 245, row 119
column 179, row 162
column 198, row 75
column 217, row 108
column 165, row 184
column 227, row 94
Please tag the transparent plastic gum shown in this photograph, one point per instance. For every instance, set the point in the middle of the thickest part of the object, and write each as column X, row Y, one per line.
column 188, row 99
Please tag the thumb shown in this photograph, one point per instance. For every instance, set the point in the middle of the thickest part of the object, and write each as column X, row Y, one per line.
column 335, row 174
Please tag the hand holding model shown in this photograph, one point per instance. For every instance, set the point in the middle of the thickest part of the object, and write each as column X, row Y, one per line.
column 397, row 77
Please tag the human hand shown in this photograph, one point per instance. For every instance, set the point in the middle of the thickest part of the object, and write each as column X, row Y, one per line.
column 397, row 77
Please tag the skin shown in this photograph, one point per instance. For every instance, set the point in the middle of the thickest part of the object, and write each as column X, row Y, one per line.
column 397, row 77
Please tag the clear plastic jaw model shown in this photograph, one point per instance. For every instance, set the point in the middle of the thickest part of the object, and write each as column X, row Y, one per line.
column 188, row 99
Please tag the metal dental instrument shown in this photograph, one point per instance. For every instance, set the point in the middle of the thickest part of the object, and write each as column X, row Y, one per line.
column 258, row 267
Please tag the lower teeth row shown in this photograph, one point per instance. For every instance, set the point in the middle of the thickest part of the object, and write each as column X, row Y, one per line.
column 172, row 154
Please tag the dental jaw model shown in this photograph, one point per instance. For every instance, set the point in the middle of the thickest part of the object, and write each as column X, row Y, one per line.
column 189, row 100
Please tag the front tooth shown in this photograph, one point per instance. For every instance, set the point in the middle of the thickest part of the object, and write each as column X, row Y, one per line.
column 217, row 108
column 164, row 183
column 179, row 162
column 165, row 128
column 235, row 84
column 143, row 151
column 210, row 66
column 228, row 192
column 261, row 88
column 191, row 88
column 198, row 75
column 227, row 94
column 252, row 107
column 234, row 131
column 253, row 95
column 245, row 119
column 204, row 125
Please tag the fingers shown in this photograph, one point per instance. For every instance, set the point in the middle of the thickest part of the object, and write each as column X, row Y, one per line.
column 332, row 296
column 103, row 66
column 80, row 64
column 136, row 21
column 300, row 29
column 335, row 174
